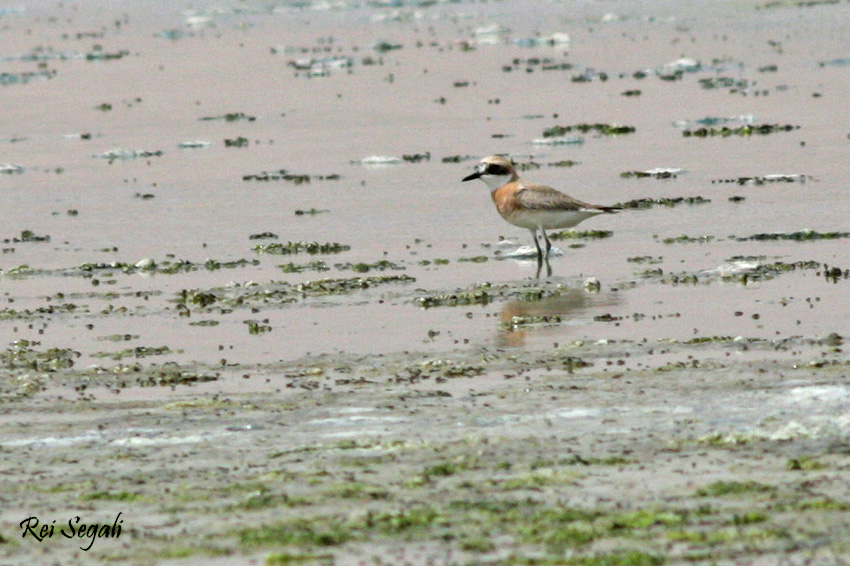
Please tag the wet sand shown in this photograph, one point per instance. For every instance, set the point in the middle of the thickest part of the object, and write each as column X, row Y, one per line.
column 409, row 392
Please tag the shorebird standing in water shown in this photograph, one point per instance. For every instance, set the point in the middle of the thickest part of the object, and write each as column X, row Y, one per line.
column 535, row 207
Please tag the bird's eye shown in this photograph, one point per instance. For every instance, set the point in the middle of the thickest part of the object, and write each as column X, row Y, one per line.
column 497, row 170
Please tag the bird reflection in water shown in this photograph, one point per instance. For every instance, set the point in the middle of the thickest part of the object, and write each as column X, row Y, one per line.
column 521, row 320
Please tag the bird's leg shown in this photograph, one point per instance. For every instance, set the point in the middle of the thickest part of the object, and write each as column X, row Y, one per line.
column 537, row 245
column 548, row 243
column 540, row 268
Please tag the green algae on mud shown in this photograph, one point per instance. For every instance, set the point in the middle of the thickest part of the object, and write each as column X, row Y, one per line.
column 230, row 117
column 240, row 141
column 40, row 312
column 645, row 203
column 661, row 174
column 135, row 352
column 602, row 129
column 582, row 446
column 484, row 504
column 359, row 267
column 460, row 298
column 485, row 293
column 743, row 131
column 284, row 175
column 799, row 236
column 26, row 236
column 166, row 267
column 763, row 179
column 685, row 239
column 145, row 266
column 281, row 291
column 363, row 267
column 312, row 248
column 532, row 524
column 743, row 270
column 524, row 321
column 581, row 235
column 309, row 266
column 22, row 354
column 539, row 494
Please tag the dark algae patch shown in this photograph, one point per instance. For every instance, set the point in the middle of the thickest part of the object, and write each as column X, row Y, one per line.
column 800, row 236
column 521, row 321
column 277, row 292
column 644, row 203
column 362, row 267
column 601, row 129
column 723, row 82
column 263, row 236
column 336, row 286
column 647, row 174
column 744, row 131
column 236, row 142
column 287, row 176
column 230, row 117
column 581, row 235
column 763, row 179
column 685, row 239
column 485, row 293
column 460, row 298
column 26, row 237
column 312, row 248
column 23, row 354
column 137, row 352
column 299, row 267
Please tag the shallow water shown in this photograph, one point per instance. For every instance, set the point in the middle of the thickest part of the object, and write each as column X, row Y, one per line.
column 212, row 371
column 430, row 95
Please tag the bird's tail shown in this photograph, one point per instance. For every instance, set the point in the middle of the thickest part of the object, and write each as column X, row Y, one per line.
column 609, row 209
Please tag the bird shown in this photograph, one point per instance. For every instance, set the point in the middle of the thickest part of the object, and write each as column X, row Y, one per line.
column 532, row 206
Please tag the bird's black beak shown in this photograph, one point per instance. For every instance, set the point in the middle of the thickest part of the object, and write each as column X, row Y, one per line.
column 475, row 175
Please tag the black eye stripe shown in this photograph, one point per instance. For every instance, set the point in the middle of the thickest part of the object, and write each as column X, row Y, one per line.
column 494, row 169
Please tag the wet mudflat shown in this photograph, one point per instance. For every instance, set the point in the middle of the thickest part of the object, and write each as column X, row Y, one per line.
column 250, row 314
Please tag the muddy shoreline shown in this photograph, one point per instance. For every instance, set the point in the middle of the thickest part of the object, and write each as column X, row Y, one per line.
column 250, row 314
column 555, row 456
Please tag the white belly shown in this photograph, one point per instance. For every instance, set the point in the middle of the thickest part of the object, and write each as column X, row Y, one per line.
column 550, row 219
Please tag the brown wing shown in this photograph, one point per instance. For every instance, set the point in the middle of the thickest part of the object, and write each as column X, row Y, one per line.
column 541, row 197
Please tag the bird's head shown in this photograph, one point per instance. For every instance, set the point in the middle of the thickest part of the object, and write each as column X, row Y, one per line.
column 495, row 171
